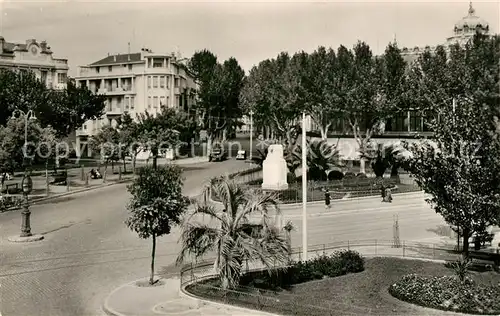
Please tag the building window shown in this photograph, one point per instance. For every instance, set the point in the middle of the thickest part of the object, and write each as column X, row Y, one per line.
column 162, row 101
column 110, row 68
column 157, row 63
column 130, row 67
column 176, row 83
column 43, row 76
column 61, row 78
column 162, row 82
column 127, row 103
column 132, row 103
column 155, row 82
column 150, row 101
column 167, row 82
column 177, row 101
column 149, row 82
column 167, row 103
column 97, row 69
column 85, row 126
column 155, row 103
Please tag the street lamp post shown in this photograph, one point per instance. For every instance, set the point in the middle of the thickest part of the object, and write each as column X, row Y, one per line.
column 26, row 115
column 251, row 134
column 27, row 183
column 27, row 186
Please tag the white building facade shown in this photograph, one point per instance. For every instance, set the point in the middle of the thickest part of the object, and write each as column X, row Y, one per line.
column 135, row 83
column 37, row 58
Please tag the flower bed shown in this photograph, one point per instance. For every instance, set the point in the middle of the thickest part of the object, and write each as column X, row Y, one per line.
column 448, row 293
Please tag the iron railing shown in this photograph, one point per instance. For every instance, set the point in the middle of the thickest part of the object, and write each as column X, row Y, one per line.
column 194, row 274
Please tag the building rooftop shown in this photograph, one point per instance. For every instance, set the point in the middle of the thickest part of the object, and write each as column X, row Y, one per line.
column 9, row 48
column 118, row 59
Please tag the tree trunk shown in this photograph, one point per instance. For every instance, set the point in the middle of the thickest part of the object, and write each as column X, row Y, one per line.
column 362, row 167
column 134, row 159
column 394, row 171
column 465, row 239
column 209, row 144
column 112, row 166
column 153, row 251
column 124, row 165
column 155, row 161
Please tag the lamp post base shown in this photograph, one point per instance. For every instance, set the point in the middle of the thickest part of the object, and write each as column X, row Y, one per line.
column 25, row 239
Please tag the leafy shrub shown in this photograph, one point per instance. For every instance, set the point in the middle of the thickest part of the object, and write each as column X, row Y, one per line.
column 461, row 268
column 448, row 293
column 349, row 176
column 337, row 264
column 335, row 175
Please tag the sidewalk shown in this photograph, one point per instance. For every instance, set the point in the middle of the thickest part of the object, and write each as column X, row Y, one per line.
column 77, row 185
column 166, row 299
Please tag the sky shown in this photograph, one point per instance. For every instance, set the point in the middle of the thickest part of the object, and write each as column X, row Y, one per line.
column 86, row 31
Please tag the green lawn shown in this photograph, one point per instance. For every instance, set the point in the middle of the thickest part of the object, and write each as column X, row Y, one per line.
column 364, row 293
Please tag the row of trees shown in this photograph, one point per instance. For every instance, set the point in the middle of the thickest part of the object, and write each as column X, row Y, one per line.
column 57, row 112
column 349, row 85
column 148, row 132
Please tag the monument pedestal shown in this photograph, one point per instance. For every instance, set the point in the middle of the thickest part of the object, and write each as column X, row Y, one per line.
column 274, row 170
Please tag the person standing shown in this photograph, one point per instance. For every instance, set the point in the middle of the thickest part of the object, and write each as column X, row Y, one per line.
column 327, row 199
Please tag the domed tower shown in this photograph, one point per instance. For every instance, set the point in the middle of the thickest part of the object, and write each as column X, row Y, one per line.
column 467, row 27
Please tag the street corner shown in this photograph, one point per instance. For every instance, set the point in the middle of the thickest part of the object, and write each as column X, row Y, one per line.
column 140, row 298
column 19, row 239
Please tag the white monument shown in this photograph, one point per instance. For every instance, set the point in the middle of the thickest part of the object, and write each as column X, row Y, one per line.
column 274, row 169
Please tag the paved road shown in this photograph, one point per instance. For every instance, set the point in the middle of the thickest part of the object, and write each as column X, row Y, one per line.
column 369, row 219
column 87, row 252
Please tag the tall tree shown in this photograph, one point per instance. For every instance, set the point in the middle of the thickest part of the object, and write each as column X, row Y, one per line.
column 158, row 132
column 321, row 86
column 232, row 233
column 218, row 94
column 461, row 169
column 107, row 144
column 14, row 154
column 23, row 91
column 71, row 108
column 64, row 110
column 365, row 107
column 157, row 204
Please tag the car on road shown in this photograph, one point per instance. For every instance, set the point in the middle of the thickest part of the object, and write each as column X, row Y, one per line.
column 217, row 154
column 241, row 155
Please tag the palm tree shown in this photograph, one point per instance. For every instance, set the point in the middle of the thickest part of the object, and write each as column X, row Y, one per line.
column 242, row 231
column 383, row 156
column 321, row 158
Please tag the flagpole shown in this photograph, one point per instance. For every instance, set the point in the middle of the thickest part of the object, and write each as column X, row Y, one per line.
column 304, row 189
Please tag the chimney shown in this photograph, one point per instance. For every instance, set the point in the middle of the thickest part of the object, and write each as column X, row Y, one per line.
column 43, row 45
column 114, row 58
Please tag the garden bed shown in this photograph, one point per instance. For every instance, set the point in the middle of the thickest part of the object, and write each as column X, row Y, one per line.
column 363, row 293
column 338, row 189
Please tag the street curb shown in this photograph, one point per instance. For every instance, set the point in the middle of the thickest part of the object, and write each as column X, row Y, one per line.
column 64, row 194
column 186, row 294
column 110, row 311
column 352, row 199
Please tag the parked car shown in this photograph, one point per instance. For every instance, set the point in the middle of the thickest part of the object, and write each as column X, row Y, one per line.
column 241, row 155
column 217, row 154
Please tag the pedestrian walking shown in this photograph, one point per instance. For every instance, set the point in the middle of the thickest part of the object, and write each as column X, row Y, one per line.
column 327, row 199
column 388, row 195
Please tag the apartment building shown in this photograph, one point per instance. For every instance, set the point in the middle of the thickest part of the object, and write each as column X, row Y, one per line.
column 37, row 58
column 135, row 83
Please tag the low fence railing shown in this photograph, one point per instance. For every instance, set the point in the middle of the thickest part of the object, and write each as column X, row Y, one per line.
column 193, row 274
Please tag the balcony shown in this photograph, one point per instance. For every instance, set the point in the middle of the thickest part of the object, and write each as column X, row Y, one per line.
column 117, row 90
column 114, row 111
